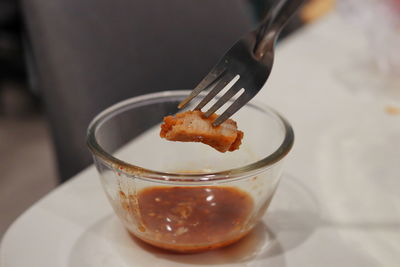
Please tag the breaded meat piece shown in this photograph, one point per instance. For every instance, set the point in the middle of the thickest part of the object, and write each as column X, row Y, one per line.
column 193, row 126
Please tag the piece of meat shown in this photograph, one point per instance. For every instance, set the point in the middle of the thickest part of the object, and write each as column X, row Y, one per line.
column 193, row 126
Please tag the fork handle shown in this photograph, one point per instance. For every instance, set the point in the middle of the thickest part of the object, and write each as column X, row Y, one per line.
column 268, row 31
column 268, row 19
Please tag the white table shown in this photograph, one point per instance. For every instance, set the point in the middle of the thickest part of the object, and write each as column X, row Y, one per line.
column 338, row 204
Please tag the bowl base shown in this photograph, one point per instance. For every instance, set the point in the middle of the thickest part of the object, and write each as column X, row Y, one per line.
column 188, row 249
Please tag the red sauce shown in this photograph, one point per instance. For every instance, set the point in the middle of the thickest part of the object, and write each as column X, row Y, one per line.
column 190, row 219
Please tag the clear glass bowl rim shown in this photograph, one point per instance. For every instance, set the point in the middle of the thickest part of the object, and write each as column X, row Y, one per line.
column 139, row 172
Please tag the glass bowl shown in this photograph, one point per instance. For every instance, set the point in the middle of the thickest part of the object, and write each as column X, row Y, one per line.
column 186, row 197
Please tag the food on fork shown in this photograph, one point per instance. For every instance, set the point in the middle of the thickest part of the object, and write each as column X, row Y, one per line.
column 193, row 126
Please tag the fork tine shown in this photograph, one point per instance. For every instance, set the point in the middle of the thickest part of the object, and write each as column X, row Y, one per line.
column 208, row 81
column 220, row 84
column 240, row 102
column 228, row 95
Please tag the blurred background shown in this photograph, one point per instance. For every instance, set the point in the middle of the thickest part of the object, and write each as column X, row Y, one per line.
column 61, row 62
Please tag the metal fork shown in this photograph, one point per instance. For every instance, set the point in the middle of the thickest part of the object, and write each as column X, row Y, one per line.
column 251, row 58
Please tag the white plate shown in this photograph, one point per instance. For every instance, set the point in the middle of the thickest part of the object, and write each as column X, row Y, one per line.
column 62, row 241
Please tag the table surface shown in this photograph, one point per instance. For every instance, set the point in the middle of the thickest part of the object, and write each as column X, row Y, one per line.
column 339, row 202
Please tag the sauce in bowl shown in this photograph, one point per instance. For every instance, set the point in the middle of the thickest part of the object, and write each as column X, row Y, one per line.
column 191, row 219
